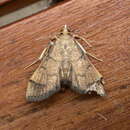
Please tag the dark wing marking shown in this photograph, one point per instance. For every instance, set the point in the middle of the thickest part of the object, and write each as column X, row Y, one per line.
column 44, row 82
column 85, row 77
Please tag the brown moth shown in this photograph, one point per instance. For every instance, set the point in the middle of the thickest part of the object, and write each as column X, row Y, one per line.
column 64, row 61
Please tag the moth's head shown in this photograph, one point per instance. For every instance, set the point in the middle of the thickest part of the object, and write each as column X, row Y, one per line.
column 65, row 30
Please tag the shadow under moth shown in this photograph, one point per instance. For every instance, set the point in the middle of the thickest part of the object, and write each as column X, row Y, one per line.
column 64, row 61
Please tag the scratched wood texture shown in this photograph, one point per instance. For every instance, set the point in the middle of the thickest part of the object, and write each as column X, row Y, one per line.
column 107, row 22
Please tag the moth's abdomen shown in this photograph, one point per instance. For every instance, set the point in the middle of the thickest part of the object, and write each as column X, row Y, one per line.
column 65, row 71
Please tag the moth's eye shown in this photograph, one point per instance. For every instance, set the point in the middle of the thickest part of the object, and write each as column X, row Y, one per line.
column 61, row 31
column 53, row 39
column 69, row 30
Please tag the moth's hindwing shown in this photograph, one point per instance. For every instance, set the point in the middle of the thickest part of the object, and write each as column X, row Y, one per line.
column 44, row 82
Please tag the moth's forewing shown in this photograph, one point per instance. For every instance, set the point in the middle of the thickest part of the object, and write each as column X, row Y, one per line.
column 85, row 77
column 45, row 81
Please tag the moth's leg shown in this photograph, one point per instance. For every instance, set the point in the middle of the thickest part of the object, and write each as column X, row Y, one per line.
column 90, row 40
column 87, row 53
column 82, row 48
column 39, row 59
column 85, row 40
column 42, row 54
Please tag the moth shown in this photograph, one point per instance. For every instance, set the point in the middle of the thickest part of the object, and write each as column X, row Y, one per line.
column 64, row 61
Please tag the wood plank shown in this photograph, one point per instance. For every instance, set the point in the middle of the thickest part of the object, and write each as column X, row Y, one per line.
column 108, row 23
column 14, row 6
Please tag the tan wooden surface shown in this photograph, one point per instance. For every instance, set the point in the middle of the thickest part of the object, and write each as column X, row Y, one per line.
column 107, row 22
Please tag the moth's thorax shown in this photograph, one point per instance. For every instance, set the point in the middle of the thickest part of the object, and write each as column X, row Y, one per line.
column 65, row 42
column 65, row 48
column 65, row 37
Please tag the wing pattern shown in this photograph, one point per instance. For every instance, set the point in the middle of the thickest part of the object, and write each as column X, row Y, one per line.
column 44, row 82
column 85, row 77
column 64, row 59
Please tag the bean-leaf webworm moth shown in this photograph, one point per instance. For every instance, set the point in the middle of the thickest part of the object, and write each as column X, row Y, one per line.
column 64, row 60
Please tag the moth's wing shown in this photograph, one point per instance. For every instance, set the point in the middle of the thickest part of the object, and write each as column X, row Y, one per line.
column 44, row 82
column 85, row 77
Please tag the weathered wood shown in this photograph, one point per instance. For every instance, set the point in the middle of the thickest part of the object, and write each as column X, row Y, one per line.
column 108, row 23
column 13, row 5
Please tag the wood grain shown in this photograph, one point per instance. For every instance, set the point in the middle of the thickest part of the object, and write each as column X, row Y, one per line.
column 4, row 1
column 107, row 22
column 14, row 5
